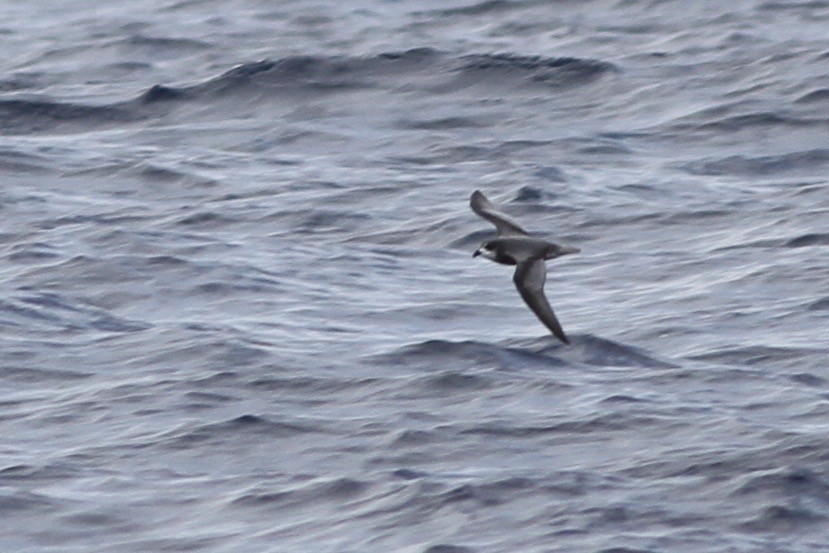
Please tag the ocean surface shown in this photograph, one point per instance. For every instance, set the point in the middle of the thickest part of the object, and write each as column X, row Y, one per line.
column 239, row 311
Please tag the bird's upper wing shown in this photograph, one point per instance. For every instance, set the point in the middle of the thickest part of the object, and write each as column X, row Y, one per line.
column 505, row 225
column 529, row 278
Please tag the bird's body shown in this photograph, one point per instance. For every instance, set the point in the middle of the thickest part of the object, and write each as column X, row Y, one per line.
column 515, row 246
column 512, row 251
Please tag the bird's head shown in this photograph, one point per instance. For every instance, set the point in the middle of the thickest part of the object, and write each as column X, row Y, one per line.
column 488, row 249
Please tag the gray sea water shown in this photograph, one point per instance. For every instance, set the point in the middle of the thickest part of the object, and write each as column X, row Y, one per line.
column 239, row 310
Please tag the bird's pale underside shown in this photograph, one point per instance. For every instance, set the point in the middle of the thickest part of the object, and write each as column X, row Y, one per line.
column 515, row 246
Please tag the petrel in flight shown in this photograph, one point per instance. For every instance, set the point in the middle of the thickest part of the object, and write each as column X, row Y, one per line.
column 515, row 246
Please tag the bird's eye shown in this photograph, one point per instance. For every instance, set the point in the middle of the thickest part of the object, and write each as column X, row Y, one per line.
column 489, row 247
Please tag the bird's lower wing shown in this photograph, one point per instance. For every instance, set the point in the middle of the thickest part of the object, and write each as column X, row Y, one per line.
column 529, row 279
column 483, row 207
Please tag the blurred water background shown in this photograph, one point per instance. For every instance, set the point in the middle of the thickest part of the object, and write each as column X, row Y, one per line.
column 239, row 310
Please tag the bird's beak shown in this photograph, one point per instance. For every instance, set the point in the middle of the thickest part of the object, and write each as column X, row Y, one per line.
column 564, row 250
column 477, row 253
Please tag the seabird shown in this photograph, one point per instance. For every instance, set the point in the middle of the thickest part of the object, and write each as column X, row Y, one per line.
column 515, row 246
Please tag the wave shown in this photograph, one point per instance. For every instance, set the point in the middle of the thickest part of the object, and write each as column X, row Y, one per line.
column 819, row 305
column 777, row 5
column 52, row 311
column 244, row 427
column 815, row 160
column 751, row 120
column 308, row 75
column 534, row 353
column 810, row 239
column 608, row 422
column 334, row 73
column 22, row 116
column 480, row 8
column 762, row 356
column 815, row 96
column 783, row 518
column 164, row 46
column 14, row 161
column 336, row 490
column 15, row 502
column 555, row 72
column 786, row 482
column 448, row 548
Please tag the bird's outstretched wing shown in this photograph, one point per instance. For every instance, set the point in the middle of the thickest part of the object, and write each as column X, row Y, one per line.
column 529, row 279
column 505, row 225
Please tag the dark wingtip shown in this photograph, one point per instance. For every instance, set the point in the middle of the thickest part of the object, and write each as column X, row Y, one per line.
column 476, row 196
column 559, row 333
